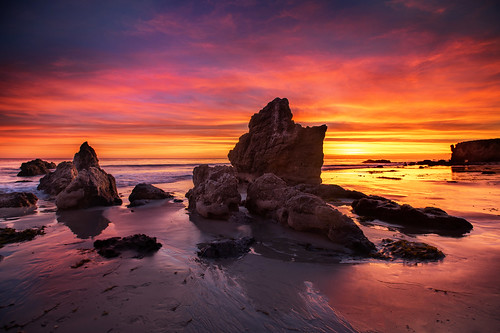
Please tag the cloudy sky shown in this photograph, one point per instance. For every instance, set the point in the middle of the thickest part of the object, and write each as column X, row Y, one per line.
column 395, row 78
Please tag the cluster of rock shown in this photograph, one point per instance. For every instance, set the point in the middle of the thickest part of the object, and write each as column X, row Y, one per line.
column 35, row 168
column 476, row 151
column 140, row 243
column 428, row 219
column 143, row 193
column 215, row 193
column 81, row 183
column 10, row 235
column 18, row 200
column 276, row 144
column 280, row 162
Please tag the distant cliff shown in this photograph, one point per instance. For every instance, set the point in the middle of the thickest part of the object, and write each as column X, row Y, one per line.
column 476, row 151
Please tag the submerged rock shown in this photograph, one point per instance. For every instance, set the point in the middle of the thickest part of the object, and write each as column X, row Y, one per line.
column 17, row 200
column 92, row 185
column 476, row 151
column 215, row 193
column 225, row 248
column 269, row 196
column 143, row 193
column 403, row 249
column 55, row 182
column 113, row 247
column 427, row 219
column 35, row 168
column 10, row 235
column 275, row 144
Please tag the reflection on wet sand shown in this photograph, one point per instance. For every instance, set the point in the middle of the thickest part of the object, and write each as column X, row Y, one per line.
column 84, row 223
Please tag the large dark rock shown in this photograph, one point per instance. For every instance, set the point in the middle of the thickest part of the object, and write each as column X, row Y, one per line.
column 427, row 219
column 269, row 196
column 92, row 185
column 225, row 248
column 476, row 151
column 17, row 199
column 35, row 168
column 143, row 193
column 215, row 193
column 113, row 247
column 86, row 158
column 275, row 144
column 53, row 183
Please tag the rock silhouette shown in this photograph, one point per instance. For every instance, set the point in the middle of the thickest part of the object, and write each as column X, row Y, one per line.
column 35, row 168
column 143, row 193
column 55, row 182
column 276, row 144
column 476, row 151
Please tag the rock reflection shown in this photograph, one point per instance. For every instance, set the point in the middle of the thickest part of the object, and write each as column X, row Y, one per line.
column 84, row 223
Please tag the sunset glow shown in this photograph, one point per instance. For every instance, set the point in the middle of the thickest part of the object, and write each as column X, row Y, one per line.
column 395, row 79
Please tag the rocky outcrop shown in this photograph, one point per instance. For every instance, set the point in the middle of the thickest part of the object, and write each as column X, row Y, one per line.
column 225, row 248
column 143, row 193
column 18, row 200
column 92, row 185
column 269, row 196
column 476, row 151
column 35, row 168
column 53, row 183
column 275, row 144
column 427, row 219
column 140, row 243
column 215, row 194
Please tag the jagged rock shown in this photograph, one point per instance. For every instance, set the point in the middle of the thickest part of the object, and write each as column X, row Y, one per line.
column 269, row 196
column 225, row 248
column 86, row 158
column 275, row 144
column 9, row 235
column 215, row 193
column 415, row 251
column 427, row 219
column 18, row 199
column 476, row 151
column 92, row 185
column 113, row 247
column 35, row 168
column 329, row 192
column 53, row 183
column 143, row 193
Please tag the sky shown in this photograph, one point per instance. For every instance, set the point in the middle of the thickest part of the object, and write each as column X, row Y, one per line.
column 399, row 79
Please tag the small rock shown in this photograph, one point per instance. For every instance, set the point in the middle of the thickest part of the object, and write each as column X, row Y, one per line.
column 142, row 193
column 10, row 235
column 410, row 250
column 112, row 247
column 35, row 168
column 18, row 199
column 225, row 248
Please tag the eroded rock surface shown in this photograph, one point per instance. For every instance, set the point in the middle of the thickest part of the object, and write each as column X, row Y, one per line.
column 17, row 200
column 35, row 168
column 215, row 193
column 143, row 193
column 225, row 248
column 269, row 196
column 476, row 151
column 429, row 219
column 92, row 185
column 114, row 246
column 276, row 144
column 55, row 182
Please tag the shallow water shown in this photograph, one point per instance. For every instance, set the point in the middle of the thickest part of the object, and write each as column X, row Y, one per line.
column 279, row 286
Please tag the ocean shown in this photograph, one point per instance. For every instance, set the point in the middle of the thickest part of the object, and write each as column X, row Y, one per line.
column 276, row 287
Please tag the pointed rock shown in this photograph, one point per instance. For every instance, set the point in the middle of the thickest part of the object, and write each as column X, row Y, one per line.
column 85, row 158
column 275, row 144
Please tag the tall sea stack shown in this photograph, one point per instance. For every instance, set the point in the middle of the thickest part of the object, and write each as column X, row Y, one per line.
column 276, row 144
